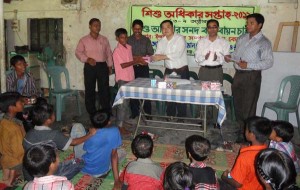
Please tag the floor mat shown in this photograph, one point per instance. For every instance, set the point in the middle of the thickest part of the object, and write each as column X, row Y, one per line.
column 164, row 154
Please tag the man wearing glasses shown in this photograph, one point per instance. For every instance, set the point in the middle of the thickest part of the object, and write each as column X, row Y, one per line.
column 210, row 56
column 209, row 53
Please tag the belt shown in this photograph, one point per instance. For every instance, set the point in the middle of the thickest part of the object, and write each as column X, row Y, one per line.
column 247, row 71
column 179, row 69
column 138, row 65
column 212, row 67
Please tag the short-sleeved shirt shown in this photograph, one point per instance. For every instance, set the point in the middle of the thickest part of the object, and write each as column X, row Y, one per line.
column 204, row 177
column 42, row 134
column 243, row 170
column 98, row 150
column 121, row 55
column 48, row 183
column 288, row 148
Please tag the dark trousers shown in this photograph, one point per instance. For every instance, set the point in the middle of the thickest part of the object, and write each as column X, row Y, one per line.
column 211, row 74
column 140, row 72
column 92, row 74
column 245, row 90
column 171, row 106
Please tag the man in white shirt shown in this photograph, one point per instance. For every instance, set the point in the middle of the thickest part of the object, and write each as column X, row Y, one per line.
column 210, row 53
column 172, row 49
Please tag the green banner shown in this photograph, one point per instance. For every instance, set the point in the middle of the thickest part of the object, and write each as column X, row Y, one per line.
column 191, row 22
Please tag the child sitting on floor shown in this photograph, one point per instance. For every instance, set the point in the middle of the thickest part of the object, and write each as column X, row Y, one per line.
column 243, row 175
column 43, row 117
column 101, row 150
column 281, row 136
column 12, row 133
column 42, row 161
column 178, row 176
column 276, row 170
column 197, row 149
column 143, row 172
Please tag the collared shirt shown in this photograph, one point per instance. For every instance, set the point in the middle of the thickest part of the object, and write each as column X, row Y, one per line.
column 219, row 46
column 257, row 52
column 175, row 50
column 44, row 133
column 202, row 185
column 48, row 183
column 98, row 49
column 288, row 148
column 143, row 173
column 244, row 171
column 28, row 89
column 140, row 47
column 11, row 136
column 121, row 55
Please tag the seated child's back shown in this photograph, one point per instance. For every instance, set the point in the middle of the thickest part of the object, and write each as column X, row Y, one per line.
column 197, row 149
column 281, row 136
column 101, row 149
column 143, row 172
column 42, row 161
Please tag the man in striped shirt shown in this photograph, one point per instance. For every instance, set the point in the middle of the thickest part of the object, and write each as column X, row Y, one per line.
column 253, row 54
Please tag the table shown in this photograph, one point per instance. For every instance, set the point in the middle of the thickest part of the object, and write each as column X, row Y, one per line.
column 140, row 88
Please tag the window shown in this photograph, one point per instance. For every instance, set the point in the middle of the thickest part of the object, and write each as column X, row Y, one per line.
column 47, row 32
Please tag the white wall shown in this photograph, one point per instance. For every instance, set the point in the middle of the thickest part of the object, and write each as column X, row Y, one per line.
column 113, row 15
column 285, row 64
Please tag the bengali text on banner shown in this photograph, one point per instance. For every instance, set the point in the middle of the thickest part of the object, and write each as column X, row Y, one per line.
column 191, row 22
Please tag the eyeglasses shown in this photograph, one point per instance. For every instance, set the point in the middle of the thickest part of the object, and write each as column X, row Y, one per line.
column 212, row 27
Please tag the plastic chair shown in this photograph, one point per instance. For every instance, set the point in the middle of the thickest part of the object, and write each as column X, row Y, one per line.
column 193, row 75
column 160, row 106
column 281, row 108
column 55, row 89
column 229, row 98
column 155, row 73
column 193, row 107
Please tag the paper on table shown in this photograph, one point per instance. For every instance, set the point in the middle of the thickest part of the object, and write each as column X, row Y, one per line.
column 230, row 59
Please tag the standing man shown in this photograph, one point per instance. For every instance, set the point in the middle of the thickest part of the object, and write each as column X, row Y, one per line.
column 94, row 51
column 209, row 53
column 210, row 56
column 141, row 47
column 253, row 54
column 172, row 49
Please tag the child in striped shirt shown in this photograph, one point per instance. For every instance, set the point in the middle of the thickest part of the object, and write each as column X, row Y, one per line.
column 42, row 161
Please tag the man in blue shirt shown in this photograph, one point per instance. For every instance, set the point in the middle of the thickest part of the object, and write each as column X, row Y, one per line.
column 253, row 54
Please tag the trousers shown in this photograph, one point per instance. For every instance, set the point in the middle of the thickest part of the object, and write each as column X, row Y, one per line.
column 92, row 74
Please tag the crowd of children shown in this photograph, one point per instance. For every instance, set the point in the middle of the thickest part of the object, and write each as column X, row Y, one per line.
column 258, row 166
